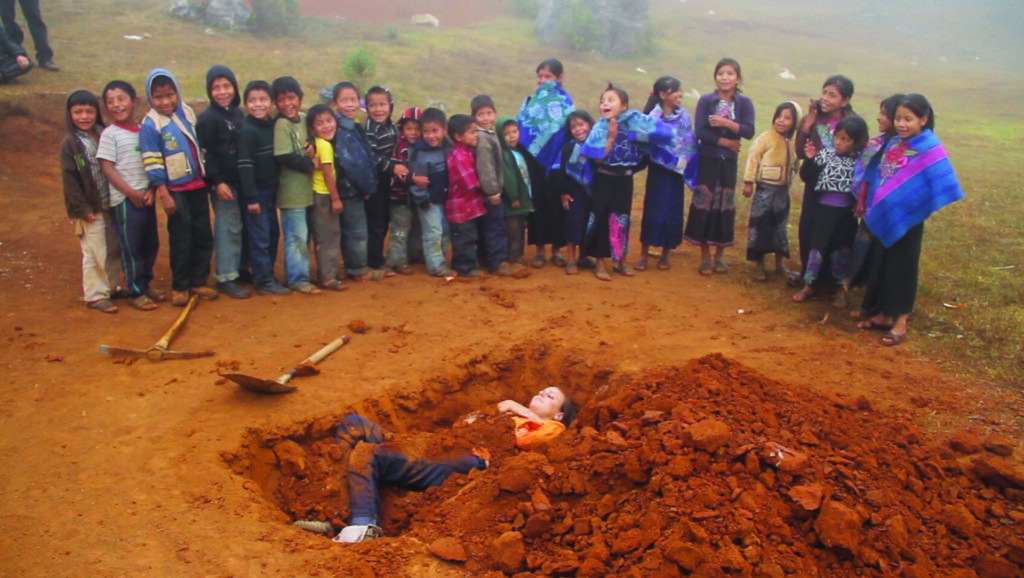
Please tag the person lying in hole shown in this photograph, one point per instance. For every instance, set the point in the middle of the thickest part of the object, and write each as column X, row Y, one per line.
column 371, row 464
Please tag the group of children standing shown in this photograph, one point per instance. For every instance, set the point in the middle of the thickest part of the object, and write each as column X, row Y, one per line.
column 482, row 184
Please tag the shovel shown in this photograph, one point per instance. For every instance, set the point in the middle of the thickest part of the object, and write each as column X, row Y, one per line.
column 281, row 384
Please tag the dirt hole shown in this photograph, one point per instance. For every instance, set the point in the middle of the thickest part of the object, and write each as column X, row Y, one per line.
column 708, row 469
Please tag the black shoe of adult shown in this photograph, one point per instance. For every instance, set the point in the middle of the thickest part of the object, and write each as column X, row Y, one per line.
column 49, row 65
column 233, row 290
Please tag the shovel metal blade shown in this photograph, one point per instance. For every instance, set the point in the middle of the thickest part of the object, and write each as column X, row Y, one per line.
column 258, row 384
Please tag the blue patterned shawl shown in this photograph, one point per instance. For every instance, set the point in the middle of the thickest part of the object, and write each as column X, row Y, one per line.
column 542, row 120
column 639, row 134
column 681, row 155
column 579, row 166
column 908, row 182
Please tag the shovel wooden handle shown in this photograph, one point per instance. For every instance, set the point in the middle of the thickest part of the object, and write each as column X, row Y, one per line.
column 315, row 358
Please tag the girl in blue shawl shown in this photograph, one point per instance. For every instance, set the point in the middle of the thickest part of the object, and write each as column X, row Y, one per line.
column 618, row 144
column 541, row 121
column 911, row 179
column 662, row 224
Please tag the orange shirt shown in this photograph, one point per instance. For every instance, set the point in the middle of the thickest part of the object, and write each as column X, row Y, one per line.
column 532, row 433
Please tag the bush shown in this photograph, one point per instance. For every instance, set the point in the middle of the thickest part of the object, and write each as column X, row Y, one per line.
column 274, row 16
column 360, row 66
column 582, row 28
column 524, row 8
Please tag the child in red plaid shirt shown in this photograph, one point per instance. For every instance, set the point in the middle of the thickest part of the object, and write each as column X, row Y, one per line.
column 465, row 196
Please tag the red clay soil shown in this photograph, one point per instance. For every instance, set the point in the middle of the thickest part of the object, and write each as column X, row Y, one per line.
column 450, row 14
column 776, row 441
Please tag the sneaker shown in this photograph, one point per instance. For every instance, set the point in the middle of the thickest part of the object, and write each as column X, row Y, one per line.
column 204, row 293
column 315, row 526
column 354, row 534
column 471, row 273
column 49, row 65
column 272, row 287
column 179, row 298
column 504, row 270
column 234, row 290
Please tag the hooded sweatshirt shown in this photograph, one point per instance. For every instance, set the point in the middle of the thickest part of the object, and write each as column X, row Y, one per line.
column 518, row 185
column 218, row 129
column 85, row 188
column 170, row 148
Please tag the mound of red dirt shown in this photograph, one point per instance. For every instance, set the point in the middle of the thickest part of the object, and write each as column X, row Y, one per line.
column 450, row 14
column 710, row 469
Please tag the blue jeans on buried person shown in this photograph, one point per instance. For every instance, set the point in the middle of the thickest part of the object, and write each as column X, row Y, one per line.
column 227, row 235
column 354, row 235
column 296, row 246
column 263, row 231
column 371, row 464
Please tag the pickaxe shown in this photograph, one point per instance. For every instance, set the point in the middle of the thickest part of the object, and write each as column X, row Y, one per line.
column 159, row 351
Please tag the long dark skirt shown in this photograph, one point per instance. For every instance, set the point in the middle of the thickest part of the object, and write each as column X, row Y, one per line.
column 769, row 219
column 834, row 231
column 713, row 208
column 547, row 221
column 662, row 224
column 809, row 172
column 608, row 224
column 578, row 214
column 892, row 276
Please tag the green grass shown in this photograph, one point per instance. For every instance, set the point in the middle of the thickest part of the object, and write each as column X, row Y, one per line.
column 885, row 47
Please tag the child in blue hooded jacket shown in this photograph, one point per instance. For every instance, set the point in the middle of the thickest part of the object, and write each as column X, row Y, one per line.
column 174, row 165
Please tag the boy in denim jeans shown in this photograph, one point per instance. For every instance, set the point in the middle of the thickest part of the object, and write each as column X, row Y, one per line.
column 293, row 153
column 429, row 159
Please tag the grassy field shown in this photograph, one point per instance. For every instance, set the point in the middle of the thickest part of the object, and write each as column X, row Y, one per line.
column 974, row 251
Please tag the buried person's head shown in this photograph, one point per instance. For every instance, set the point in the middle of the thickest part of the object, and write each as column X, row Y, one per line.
column 553, row 403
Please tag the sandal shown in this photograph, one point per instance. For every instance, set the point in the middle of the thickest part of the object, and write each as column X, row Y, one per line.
column 602, row 274
column 839, row 301
column 405, row 270
column 156, row 295
column 335, row 285
column 443, row 273
column 760, row 274
column 721, row 267
column 103, row 306
column 624, row 269
column 793, row 279
column 558, row 260
column 803, row 295
column 121, row 293
column 705, row 269
column 872, row 325
column 538, row 261
column 641, row 264
column 891, row 339
column 143, row 303
column 663, row 264
column 572, row 269
column 306, row 289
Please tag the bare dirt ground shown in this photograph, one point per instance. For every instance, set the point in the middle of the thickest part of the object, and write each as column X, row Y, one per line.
column 166, row 469
column 450, row 14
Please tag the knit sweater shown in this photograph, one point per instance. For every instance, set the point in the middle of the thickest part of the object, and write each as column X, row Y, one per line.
column 772, row 160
